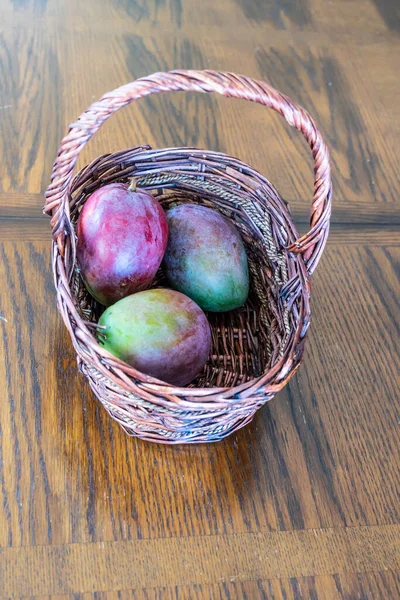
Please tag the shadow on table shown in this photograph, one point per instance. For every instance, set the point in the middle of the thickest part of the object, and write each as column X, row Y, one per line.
column 122, row 487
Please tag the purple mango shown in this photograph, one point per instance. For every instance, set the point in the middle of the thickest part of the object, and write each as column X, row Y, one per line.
column 122, row 236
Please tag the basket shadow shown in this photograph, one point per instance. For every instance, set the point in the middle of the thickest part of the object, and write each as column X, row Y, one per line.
column 101, row 461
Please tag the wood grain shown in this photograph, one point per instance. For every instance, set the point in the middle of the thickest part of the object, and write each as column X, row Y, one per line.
column 197, row 560
column 364, row 155
column 311, row 459
column 304, row 502
column 329, row 587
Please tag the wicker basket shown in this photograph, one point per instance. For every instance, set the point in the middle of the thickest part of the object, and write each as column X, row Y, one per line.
column 255, row 350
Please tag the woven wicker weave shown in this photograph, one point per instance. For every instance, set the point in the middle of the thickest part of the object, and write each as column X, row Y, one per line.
column 255, row 350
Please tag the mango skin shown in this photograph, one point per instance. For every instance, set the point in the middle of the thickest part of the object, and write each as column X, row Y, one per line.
column 159, row 332
column 122, row 236
column 205, row 258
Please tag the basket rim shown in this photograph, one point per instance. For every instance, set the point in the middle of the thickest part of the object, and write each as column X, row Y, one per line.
column 151, row 384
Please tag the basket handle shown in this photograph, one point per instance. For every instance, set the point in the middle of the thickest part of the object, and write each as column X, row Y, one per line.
column 309, row 245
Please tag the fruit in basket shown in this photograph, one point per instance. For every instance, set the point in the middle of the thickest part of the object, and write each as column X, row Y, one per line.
column 205, row 258
column 159, row 332
column 122, row 236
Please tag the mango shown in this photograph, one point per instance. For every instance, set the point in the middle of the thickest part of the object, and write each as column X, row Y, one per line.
column 205, row 258
column 122, row 236
column 159, row 332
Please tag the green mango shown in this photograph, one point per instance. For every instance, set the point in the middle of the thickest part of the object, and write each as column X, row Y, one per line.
column 159, row 332
column 205, row 258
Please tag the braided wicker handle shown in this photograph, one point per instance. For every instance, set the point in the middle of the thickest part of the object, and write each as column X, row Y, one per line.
column 310, row 245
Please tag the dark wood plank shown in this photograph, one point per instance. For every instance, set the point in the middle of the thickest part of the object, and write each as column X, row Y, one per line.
column 333, row 81
column 196, row 560
column 25, row 229
column 14, row 204
column 322, row 454
column 31, row 117
column 312, row 17
column 363, row 586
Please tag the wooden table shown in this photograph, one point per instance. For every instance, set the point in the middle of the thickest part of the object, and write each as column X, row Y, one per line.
column 304, row 502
